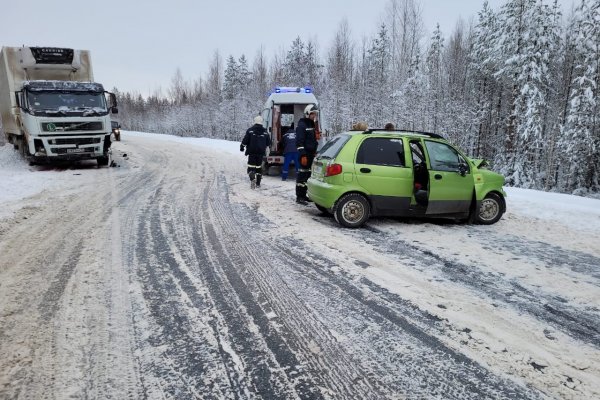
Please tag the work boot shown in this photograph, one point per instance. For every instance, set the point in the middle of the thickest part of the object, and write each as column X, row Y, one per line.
column 258, row 179
column 303, row 200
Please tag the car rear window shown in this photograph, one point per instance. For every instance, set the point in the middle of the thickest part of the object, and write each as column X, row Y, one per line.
column 381, row 151
column 333, row 146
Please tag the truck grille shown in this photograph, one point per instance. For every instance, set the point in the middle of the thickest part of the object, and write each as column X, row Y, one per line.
column 76, row 141
column 72, row 126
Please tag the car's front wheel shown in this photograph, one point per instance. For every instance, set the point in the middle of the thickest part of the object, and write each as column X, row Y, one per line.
column 490, row 210
column 352, row 210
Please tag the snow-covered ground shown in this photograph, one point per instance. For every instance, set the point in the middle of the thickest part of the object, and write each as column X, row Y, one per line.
column 476, row 311
column 19, row 181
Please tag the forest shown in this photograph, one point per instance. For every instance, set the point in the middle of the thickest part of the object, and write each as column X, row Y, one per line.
column 517, row 86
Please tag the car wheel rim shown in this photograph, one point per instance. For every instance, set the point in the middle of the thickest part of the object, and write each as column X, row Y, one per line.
column 353, row 211
column 489, row 209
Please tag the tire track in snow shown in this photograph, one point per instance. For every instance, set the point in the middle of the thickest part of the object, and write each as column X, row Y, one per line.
column 272, row 367
column 586, row 265
column 392, row 350
column 49, row 304
column 186, row 362
column 575, row 322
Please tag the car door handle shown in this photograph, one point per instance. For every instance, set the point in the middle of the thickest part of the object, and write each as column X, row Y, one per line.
column 437, row 176
column 365, row 170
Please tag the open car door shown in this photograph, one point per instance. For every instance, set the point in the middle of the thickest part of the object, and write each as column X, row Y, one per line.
column 451, row 181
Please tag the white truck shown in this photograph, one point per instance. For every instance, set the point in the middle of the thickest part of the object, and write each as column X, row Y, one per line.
column 50, row 108
column 283, row 109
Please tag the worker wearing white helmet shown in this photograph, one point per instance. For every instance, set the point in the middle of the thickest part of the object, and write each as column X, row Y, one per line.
column 306, row 142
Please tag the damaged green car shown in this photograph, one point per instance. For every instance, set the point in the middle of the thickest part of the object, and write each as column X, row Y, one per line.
column 401, row 173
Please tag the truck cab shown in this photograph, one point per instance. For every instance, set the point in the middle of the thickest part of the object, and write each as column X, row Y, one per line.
column 50, row 107
column 282, row 110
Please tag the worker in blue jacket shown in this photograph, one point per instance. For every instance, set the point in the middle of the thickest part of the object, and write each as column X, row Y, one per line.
column 290, row 152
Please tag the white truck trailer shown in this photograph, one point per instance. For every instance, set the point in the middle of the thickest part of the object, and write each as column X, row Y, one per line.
column 283, row 109
column 50, row 107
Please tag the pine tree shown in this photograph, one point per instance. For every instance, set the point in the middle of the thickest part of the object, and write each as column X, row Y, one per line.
column 313, row 67
column 581, row 133
column 231, row 80
column 435, row 75
column 527, row 42
column 484, row 62
column 295, row 65
column 377, row 87
column 337, row 86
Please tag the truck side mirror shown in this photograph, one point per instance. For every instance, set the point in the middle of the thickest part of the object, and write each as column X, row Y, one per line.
column 114, row 110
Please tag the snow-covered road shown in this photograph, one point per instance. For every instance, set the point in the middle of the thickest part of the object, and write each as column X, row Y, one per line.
column 170, row 278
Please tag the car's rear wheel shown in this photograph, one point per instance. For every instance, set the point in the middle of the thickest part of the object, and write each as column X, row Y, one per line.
column 352, row 210
column 490, row 210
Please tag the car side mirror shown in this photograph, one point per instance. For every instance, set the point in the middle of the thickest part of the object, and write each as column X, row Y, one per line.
column 463, row 169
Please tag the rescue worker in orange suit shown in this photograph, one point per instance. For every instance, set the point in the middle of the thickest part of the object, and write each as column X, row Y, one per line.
column 255, row 143
column 306, row 142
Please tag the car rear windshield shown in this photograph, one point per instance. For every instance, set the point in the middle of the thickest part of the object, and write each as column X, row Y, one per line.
column 333, row 146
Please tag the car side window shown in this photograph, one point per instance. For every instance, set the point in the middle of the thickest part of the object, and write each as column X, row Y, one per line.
column 381, row 151
column 417, row 152
column 443, row 157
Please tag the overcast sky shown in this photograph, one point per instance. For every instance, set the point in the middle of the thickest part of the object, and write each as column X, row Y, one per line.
column 138, row 45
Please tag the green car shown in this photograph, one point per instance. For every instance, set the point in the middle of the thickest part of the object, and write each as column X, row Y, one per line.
column 400, row 173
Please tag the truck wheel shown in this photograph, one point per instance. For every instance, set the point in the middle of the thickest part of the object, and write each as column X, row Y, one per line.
column 22, row 146
column 102, row 161
column 352, row 210
column 490, row 210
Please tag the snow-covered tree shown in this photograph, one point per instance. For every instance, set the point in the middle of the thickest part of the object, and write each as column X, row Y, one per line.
column 509, row 87
column 295, row 66
column 527, row 43
column 377, row 84
column 338, row 80
column 436, row 74
column 231, row 78
column 581, row 132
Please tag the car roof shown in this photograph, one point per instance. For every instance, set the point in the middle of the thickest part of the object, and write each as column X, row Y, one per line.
column 397, row 133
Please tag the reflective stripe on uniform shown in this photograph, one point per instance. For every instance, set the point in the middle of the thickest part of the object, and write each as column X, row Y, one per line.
column 303, row 170
column 301, row 184
column 253, row 166
column 300, row 148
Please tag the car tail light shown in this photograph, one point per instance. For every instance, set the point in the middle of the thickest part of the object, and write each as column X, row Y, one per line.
column 333, row 169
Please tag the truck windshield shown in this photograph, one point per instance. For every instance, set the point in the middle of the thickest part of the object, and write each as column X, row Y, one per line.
column 67, row 103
